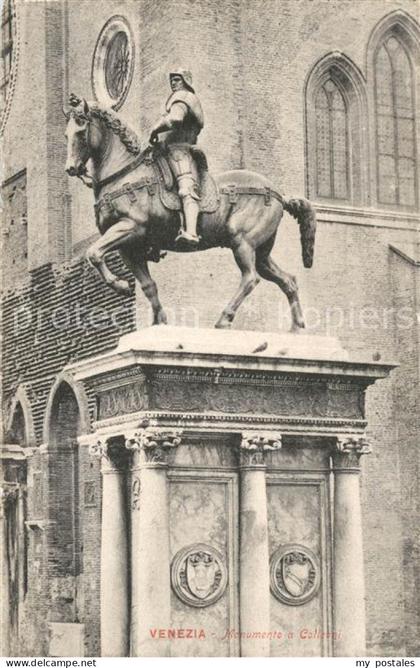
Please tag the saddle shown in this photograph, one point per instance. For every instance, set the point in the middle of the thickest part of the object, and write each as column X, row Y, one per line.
column 209, row 194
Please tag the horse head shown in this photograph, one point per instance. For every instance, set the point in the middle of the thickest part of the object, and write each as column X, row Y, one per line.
column 78, row 135
column 97, row 133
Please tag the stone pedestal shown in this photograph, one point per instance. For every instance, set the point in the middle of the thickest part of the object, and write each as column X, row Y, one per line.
column 227, row 441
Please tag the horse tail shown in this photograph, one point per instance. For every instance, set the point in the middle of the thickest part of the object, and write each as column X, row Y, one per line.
column 304, row 212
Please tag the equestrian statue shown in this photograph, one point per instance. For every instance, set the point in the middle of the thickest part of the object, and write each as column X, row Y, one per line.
column 163, row 199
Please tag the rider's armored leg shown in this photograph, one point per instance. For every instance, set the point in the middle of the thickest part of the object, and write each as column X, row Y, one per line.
column 187, row 189
column 187, row 179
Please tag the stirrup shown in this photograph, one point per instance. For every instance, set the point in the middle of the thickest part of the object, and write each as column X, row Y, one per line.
column 186, row 237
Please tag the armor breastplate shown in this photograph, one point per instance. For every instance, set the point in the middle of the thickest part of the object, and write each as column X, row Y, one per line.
column 193, row 122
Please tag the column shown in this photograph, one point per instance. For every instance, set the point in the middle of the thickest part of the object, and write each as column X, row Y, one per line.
column 114, row 550
column 348, row 574
column 22, row 539
column 5, row 490
column 150, row 557
column 254, row 569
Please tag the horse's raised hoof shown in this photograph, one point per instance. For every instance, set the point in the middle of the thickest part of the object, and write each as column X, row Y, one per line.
column 122, row 287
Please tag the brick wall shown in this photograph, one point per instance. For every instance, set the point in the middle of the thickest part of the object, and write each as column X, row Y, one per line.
column 406, row 293
column 62, row 313
column 14, row 246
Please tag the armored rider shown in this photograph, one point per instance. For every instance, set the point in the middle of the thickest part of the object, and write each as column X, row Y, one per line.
column 182, row 124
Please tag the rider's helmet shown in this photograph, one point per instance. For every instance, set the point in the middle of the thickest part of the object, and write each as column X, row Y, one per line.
column 186, row 77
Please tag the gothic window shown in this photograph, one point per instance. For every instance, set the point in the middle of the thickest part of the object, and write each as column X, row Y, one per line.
column 335, row 109
column 113, row 63
column 395, row 123
column 332, row 151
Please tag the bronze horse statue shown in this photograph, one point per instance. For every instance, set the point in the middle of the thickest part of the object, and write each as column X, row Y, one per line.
column 132, row 219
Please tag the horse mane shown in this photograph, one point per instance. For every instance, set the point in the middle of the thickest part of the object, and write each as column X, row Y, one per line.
column 112, row 121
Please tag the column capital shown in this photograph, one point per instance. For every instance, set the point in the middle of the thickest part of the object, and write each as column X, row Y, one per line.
column 8, row 490
column 98, row 447
column 254, row 446
column 152, row 444
column 113, row 456
column 348, row 450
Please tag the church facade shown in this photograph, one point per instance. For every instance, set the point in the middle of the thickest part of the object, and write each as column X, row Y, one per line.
column 319, row 95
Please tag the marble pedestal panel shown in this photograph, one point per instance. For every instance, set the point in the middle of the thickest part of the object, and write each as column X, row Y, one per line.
column 225, row 450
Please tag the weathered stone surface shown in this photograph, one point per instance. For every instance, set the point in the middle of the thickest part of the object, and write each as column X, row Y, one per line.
column 66, row 639
column 188, row 340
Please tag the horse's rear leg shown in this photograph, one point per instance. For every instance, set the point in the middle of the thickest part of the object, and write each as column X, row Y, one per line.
column 113, row 238
column 269, row 270
column 245, row 259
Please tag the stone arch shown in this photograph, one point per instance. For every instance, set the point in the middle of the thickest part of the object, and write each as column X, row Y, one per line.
column 400, row 21
column 66, row 418
column 82, row 402
column 338, row 71
column 404, row 28
column 20, row 411
column 19, row 436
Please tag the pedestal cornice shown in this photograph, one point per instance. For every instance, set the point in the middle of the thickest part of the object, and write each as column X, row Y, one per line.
column 219, row 352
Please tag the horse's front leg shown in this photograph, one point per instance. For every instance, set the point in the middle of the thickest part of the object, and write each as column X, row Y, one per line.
column 134, row 257
column 120, row 233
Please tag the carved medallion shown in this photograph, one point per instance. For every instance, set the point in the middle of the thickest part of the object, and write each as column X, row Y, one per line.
column 198, row 575
column 295, row 574
column 113, row 63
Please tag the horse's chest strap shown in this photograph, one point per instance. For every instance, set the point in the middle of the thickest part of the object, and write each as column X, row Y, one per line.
column 128, row 189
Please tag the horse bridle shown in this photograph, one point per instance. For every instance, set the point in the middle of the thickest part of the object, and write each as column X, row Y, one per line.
column 88, row 180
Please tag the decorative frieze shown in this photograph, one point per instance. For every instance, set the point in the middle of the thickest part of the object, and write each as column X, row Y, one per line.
column 254, row 446
column 231, row 395
column 129, row 398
